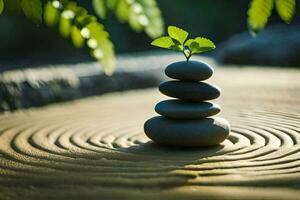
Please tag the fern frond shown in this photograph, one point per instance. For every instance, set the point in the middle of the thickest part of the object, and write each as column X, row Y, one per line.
column 285, row 9
column 259, row 13
column 140, row 14
column 75, row 22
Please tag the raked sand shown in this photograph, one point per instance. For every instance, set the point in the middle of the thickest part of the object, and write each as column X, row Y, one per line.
column 95, row 148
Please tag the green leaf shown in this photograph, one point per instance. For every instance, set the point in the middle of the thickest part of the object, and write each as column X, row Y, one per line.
column 259, row 13
column 204, row 44
column 177, row 34
column 140, row 14
column 1, row 6
column 154, row 25
column 51, row 14
column 77, row 10
column 84, row 20
column 13, row 6
column 134, row 21
column 188, row 42
column 122, row 11
column 100, row 8
column 65, row 25
column 111, row 4
column 180, row 42
column 32, row 10
column 105, row 46
column 75, row 21
column 285, row 9
column 163, row 42
column 200, row 45
column 76, row 37
column 192, row 44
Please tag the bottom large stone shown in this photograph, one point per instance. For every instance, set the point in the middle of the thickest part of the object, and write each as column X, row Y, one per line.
column 187, row 133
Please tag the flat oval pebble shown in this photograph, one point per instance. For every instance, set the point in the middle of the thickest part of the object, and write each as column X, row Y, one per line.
column 189, row 71
column 187, row 133
column 190, row 91
column 178, row 109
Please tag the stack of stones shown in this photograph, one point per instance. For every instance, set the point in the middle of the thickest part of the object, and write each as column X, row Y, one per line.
column 187, row 120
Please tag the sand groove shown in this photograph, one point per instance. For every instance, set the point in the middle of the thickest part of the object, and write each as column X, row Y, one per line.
column 96, row 148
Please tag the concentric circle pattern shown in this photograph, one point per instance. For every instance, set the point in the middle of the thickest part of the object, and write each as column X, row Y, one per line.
column 95, row 148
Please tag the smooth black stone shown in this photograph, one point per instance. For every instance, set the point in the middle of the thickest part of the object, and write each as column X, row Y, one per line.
column 190, row 91
column 189, row 71
column 178, row 109
column 187, row 133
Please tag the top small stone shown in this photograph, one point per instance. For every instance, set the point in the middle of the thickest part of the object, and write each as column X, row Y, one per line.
column 189, row 71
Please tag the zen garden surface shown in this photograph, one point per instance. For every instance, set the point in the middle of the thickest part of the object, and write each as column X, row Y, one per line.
column 95, row 148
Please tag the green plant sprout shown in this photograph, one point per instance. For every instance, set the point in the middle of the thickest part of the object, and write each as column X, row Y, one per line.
column 178, row 41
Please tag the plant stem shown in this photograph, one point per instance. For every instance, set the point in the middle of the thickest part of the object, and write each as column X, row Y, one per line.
column 187, row 56
column 187, row 53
